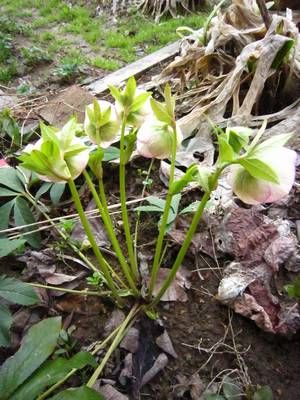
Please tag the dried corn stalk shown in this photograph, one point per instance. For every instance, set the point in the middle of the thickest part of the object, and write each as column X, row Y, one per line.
column 158, row 8
column 236, row 76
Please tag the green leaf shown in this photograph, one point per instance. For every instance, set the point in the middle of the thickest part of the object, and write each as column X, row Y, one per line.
column 282, row 53
column 169, row 100
column 24, row 216
column 5, row 211
column 4, row 192
column 226, row 153
column 149, row 209
column 160, row 111
column 238, row 137
column 231, row 390
column 155, row 201
column 175, row 203
column 130, row 90
column 191, row 208
column 139, row 101
column 259, row 169
column 293, row 289
column 50, row 373
column 111, row 153
column 9, row 178
column 36, row 347
column 56, row 192
column 43, row 189
column 17, row 292
column 5, row 324
column 82, row 393
column 115, row 92
column 8, row 246
column 263, row 393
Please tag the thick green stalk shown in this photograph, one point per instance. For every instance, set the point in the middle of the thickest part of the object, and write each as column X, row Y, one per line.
column 121, row 332
column 122, row 180
column 163, row 225
column 85, row 223
column 187, row 241
column 111, row 234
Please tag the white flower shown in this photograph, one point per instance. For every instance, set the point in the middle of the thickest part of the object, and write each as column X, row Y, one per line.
column 102, row 123
column 58, row 156
column 154, row 139
column 255, row 191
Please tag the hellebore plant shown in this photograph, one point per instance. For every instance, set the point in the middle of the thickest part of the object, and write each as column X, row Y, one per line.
column 259, row 172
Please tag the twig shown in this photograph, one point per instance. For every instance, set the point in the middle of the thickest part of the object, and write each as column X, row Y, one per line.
column 264, row 13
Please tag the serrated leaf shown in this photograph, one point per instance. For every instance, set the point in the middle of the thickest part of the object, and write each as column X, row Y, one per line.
column 36, row 347
column 263, row 393
column 50, row 373
column 5, row 212
column 160, row 111
column 56, row 192
column 259, row 169
column 8, row 246
column 5, row 324
column 231, row 390
column 82, row 393
column 9, row 178
column 17, row 292
column 24, row 216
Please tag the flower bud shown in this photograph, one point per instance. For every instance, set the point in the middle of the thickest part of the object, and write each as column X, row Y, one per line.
column 154, row 139
column 57, row 156
column 137, row 117
column 255, row 191
column 101, row 123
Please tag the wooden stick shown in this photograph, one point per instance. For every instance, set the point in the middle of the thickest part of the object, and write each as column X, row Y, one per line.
column 264, row 13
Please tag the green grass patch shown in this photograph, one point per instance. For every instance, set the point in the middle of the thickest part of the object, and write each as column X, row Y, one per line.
column 105, row 63
column 66, row 35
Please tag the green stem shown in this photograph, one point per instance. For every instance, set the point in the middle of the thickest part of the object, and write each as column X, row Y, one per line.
column 187, row 241
column 121, row 332
column 111, row 234
column 162, row 229
column 85, row 223
column 139, row 213
column 72, row 291
column 32, row 200
column 122, row 180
